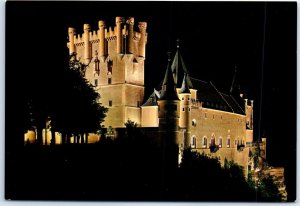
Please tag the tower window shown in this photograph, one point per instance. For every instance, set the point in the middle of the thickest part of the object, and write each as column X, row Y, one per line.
column 194, row 122
column 193, row 142
column 183, row 109
column 188, row 98
column 110, row 103
column 109, row 66
column 138, row 103
column 109, row 80
column 189, row 109
column 182, row 98
column 96, row 82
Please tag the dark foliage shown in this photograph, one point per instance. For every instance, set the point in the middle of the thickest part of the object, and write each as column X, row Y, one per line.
column 128, row 168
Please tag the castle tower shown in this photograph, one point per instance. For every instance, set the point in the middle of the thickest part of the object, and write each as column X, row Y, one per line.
column 168, row 105
column 179, row 68
column 117, row 68
column 185, row 111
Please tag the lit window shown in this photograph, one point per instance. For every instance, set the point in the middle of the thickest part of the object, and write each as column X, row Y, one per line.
column 213, row 141
column 193, row 142
column 228, row 142
column 220, row 142
column 110, row 103
column 204, row 142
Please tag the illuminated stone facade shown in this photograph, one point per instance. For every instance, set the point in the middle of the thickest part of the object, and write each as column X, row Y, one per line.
column 115, row 59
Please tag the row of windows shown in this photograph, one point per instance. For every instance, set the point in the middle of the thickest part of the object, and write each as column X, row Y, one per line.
column 213, row 142
column 109, row 66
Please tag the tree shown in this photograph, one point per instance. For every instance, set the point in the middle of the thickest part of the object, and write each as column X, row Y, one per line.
column 79, row 111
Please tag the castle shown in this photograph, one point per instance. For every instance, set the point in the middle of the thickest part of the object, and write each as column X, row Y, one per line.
column 199, row 115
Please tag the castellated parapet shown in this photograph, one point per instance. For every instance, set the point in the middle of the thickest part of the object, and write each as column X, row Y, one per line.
column 115, row 66
column 122, row 36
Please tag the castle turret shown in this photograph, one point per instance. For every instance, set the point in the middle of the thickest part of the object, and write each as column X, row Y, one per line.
column 101, row 36
column 185, row 111
column 87, row 47
column 142, row 44
column 130, row 22
column 119, row 21
column 168, row 119
column 179, row 68
column 71, row 32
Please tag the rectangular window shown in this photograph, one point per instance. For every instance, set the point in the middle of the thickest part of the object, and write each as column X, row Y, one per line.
column 138, row 103
column 110, row 103
column 96, row 82
column 109, row 80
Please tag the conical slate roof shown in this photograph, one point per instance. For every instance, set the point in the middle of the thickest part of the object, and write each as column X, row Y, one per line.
column 179, row 69
column 168, row 91
column 184, row 86
column 152, row 100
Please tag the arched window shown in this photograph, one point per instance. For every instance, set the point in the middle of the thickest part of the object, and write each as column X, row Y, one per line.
column 213, row 140
column 228, row 142
column 220, row 142
column 204, row 142
column 193, row 145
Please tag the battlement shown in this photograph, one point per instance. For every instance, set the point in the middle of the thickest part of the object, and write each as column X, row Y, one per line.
column 111, row 33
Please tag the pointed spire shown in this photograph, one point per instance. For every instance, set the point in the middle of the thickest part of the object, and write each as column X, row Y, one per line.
column 185, row 86
column 179, row 68
column 168, row 87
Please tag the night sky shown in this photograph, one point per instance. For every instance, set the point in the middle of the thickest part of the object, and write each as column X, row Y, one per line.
column 215, row 37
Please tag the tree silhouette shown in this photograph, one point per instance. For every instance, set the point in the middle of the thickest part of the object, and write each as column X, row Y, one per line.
column 79, row 111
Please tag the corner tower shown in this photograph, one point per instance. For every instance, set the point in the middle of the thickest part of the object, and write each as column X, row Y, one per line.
column 115, row 66
column 168, row 105
column 185, row 112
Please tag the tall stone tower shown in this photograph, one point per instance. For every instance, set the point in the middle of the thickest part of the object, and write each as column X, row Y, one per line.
column 115, row 66
column 185, row 112
column 168, row 105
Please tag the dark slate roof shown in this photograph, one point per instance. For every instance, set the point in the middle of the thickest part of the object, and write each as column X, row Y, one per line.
column 168, row 91
column 184, row 86
column 212, row 98
column 179, row 69
column 152, row 100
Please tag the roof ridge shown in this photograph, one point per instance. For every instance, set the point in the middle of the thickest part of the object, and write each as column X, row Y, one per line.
column 237, row 103
column 221, row 96
column 198, row 79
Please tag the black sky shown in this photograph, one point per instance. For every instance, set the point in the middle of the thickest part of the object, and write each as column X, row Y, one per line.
column 215, row 37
